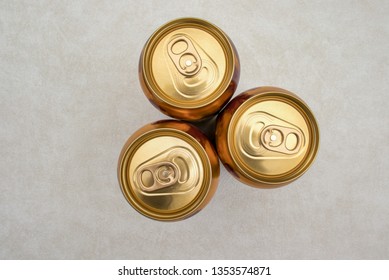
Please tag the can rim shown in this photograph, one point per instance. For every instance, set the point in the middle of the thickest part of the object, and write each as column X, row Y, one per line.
column 159, row 33
column 186, row 211
column 306, row 113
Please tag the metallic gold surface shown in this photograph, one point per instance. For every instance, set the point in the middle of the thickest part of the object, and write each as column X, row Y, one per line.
column 168, row 170
column 267, row 137
column 189, row 69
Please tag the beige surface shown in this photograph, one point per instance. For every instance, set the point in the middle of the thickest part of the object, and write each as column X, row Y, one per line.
column 70, row 97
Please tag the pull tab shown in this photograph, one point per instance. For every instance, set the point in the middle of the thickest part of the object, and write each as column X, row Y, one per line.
column 281, row 139
column 184, row 55
column 157, row 176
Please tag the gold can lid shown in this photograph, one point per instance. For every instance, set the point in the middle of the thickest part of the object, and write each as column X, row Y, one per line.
column 273, row 136
column 165, row 173
column 188, row 63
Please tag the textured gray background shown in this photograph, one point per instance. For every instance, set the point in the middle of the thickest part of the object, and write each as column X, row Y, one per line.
column 70, row 97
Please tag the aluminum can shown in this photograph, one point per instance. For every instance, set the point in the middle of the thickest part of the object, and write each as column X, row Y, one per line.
column 267, row 137
column 189, row 69
column 168, row 170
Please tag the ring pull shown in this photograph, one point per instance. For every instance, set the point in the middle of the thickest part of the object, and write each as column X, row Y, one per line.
column 157, row 176
column 184, row 55
column 281, row 139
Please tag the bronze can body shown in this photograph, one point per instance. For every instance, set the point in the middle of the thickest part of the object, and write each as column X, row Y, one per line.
column 168, row 170
column 267, row 137
column 189, row 69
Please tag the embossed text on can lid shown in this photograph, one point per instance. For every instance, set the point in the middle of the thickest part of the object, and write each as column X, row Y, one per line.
column 188, row 63
column 165, row 173
column 273, row 137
